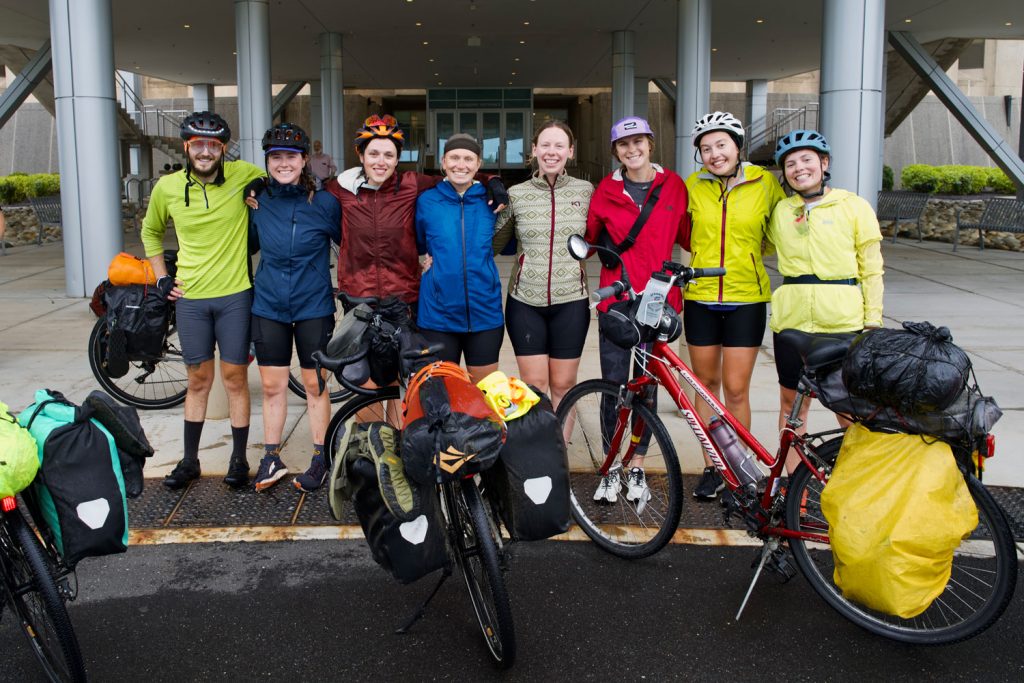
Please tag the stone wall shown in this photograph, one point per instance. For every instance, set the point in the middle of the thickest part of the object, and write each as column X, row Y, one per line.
column 938, row 223
column 23, row 226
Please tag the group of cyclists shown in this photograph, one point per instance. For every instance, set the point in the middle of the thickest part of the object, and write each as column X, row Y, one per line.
column 431, row 241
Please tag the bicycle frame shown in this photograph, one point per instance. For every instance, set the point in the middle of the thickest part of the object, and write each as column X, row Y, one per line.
column 661, row 362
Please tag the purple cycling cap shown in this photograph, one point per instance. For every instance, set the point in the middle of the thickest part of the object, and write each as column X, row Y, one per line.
column 631, row 125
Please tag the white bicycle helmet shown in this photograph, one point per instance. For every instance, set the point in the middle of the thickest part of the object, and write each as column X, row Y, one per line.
column 718, row 120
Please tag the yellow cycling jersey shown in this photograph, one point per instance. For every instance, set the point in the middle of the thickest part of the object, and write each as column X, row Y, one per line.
column 728, row 230
column 836, row 239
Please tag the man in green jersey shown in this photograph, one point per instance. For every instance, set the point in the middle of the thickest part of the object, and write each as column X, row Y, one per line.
column 213, row 290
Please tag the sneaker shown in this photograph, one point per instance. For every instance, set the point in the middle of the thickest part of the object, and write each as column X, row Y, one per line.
column 270, row 471
column 709, row 485
column 313, row 478
column 608, row 489
column 238, row 473
column 184, row 472
column 636, row 485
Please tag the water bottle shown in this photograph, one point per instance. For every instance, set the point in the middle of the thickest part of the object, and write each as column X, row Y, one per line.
column 740, row 460
column 652, row 302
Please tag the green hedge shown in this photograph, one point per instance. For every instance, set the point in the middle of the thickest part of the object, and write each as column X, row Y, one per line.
column 955, row 179
column 887, row 178
column 18, row 187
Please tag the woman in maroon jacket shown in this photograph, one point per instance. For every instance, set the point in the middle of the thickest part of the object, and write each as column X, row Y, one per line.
column 614, row 208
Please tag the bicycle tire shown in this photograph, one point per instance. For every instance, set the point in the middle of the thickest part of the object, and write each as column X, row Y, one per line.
column 369, row 409
column 982, row 580
column 476, row 550
column 622, row 528
column 35, row 598
column 148, row 385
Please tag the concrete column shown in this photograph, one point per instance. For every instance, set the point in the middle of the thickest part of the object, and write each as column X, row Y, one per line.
column 1020, row 135
column 757, row 108
column 145, row 168
column 331, row 99
column 622, row 74
column 202, row 97
column 640, row 96
column 852, row 53
column 86, row 120
column 316, row 114
column 252, row 39
column 693, row 76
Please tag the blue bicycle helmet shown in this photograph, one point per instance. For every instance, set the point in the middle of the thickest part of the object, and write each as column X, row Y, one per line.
column 800, row 139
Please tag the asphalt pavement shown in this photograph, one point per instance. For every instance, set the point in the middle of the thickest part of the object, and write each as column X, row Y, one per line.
column 322, row 610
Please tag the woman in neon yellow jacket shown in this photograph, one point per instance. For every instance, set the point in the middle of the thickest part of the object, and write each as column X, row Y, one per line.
column 830, row 257
column 724, row 318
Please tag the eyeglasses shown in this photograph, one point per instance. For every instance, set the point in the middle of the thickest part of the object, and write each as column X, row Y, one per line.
column 205, row 144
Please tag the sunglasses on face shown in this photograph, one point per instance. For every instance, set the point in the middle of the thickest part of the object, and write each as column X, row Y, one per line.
column 205, row 145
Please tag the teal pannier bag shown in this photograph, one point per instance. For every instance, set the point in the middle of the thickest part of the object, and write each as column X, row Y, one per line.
column 18, row 459
column 79, row 492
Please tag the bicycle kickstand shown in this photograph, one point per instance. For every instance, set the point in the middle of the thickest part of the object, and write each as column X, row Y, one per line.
column 766, row 554
column 418, row 614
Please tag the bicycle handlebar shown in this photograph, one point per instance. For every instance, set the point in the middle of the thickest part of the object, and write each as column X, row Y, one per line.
column 683, row 275
column 335, row 365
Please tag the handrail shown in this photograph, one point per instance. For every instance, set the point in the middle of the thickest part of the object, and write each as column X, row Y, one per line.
column 779, row 122
column 151, row 120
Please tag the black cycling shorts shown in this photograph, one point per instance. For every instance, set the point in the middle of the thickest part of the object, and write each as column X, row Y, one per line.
column 479, row 348
column 223, row 320
column 273, row 340
column 558, row 331
column 788, row 364
column 741, row 326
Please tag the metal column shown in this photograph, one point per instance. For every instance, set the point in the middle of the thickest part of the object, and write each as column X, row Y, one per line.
column 756, row 114
column 622, row 74
column 25, row 82
column 693, row 76
column 202, row 97
column 252, row 37
column 852, row 52
column 83, row 87
column 331, row 97
column 640, row 87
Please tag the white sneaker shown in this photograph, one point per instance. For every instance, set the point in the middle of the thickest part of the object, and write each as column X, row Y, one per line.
column 608, row 489
column 636, row 485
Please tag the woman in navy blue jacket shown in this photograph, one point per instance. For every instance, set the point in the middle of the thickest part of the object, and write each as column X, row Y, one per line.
column 293, row 298
column 460, row 293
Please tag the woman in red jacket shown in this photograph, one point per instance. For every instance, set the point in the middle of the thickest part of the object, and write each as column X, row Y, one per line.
column 614, row 208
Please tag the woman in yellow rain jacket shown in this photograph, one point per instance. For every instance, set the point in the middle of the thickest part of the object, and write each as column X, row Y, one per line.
column 724, row 318
column 830, row 257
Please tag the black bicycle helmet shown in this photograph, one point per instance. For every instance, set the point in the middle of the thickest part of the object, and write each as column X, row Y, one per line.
column 286, row 136
column 205, row 124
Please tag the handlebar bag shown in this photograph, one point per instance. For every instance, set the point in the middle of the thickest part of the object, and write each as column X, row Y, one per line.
column 893, row 545
column 450, row 429
column 79, row 493
column 20, row 461
column 917, row 369
column 530, row 481
column 620, row 326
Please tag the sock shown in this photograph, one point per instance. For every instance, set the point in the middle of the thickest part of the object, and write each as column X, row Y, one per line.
column 239, row 441
column 318, row 449
column 193, row 430
column 272, row 449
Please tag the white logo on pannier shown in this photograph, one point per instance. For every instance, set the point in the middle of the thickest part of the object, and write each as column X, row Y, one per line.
column 538, row 489
column 94, row 512
column 415, row 531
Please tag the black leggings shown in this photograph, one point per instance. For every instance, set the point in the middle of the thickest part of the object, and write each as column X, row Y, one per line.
column 558, row 331
column 480, row 348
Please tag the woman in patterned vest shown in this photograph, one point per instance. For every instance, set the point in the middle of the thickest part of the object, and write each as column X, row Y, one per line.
column 546, row 312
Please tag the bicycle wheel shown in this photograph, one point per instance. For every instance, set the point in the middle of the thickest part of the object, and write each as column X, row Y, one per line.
column 629, row 529
column 382, row 407
column 151, row 384
column 34, row 597
column 981, row 584
column 476, row 541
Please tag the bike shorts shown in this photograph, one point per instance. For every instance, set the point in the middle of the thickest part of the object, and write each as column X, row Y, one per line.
column 273, row 340
column 558, row 331
column 736, row 325
column 788, row 363
column 223, row 320
column 479, row 348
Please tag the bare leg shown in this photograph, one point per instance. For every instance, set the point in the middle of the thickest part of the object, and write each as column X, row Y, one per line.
column 534, row 371
column 236, row 384
column 478, row 372
column 275, row 401
column 200, row 381
column 563, row 373
column 319, row 404
column 706, row 362
column 737, row 369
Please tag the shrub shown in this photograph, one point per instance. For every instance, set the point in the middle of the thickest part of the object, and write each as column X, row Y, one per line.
column 18, row 187
column 919, row 178
column 955, row 179
column 1000, row 182
column 887, row 177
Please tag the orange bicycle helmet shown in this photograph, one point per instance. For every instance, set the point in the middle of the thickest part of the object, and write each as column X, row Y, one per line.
column 377, row 126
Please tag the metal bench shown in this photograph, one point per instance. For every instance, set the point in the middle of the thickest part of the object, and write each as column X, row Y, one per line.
column 1006, row 215
column 901, row 207
column 47, row 210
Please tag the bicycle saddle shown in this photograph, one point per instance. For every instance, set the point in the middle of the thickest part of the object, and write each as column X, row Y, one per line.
column 818, row 349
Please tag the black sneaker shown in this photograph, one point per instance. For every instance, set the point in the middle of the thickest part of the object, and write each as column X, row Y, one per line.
column 709, row 485
column 238, row 473
column 313, row 478
column 184, row 472
column 270, row 472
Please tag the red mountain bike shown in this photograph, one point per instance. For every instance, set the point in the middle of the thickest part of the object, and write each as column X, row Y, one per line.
column 611, row 428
